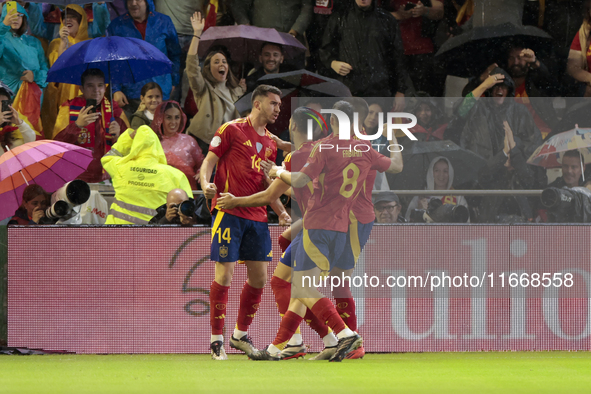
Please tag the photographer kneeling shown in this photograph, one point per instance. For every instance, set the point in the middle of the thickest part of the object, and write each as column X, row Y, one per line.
column 172, row 211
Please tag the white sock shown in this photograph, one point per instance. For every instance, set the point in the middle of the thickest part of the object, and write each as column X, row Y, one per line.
column 272, row 349
column 217, row 338
column 330, row 340
column 345, row 333
column 238, row 334
column 296, row 340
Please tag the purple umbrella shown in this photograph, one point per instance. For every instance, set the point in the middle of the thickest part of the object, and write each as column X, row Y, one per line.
column 47, row 163
column 244, row 42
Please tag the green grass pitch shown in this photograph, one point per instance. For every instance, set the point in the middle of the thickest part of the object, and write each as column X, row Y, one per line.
column 491, row 372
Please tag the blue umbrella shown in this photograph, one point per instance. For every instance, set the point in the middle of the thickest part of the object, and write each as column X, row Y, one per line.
column 68, row 2
column 122, row 59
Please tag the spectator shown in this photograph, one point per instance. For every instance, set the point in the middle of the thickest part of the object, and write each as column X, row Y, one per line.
column 22, row 59
column 170, row 212
column 140, row 176
column 533, row 85
column 93, row 127
column 215, row 89
column 271, row 59
column 49, row 27
column 151, row 97
column 504, row 134
column 181, row 150
column 142, row 22
column 572, row 170
column 418, row 26
column 72, row 31
column 387, row 208
column 440, row 176
column 368, row 67
column 579, row 60
column 14, row 130
column 32, row 209
column 288, row 16
column 430, row 120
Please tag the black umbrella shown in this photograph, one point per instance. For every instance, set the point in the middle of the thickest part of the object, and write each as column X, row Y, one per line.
column 418, row 155
column 471, row 52
column 310, row 83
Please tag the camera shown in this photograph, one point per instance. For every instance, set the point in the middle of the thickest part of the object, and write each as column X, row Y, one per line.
column 66, row 200
column 57, row 210
column 567, row 205
column 187, row 208
column 438, row 212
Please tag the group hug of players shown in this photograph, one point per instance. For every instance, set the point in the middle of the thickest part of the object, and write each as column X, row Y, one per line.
column 332, row 187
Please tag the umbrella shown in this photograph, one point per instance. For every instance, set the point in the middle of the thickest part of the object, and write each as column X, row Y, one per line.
column 471, row 52
column 418, row 156
column 122, row 59
column 47, row 163
column 244, row 42
column 549, row 154
column 308, row 82
column 68, row 2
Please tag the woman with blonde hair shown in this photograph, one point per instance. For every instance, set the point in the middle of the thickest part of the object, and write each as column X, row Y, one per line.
column 579, row 57
column 214, row 87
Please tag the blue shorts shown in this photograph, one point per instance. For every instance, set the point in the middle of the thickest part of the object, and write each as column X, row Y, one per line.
column 357, row 237
column 234, row 238
column 319, row 248
column 289, row 254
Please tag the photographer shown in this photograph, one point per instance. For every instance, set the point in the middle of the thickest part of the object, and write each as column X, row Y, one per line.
column 32, row 209
column 170, row 213
column 87, row 121
column 14, row 131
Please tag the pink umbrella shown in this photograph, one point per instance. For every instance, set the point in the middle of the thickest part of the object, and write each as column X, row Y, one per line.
column 244, row 42
column 47, row 163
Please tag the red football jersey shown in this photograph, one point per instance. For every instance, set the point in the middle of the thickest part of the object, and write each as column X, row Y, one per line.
column 294, row 162
column 241, row 150
column 363, row 205
column 340, row 172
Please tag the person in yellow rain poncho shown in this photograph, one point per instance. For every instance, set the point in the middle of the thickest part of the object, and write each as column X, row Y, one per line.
column 140, row 176
column 74, row 29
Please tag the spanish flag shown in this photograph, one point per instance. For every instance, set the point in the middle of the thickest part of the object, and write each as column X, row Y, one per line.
column 212, row 11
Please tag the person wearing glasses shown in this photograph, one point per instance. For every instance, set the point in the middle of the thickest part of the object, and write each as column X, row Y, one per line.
column 387, row 208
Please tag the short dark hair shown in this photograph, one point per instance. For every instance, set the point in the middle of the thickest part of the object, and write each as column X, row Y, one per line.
column 345, row 107
column 263, row 91
column 91, row 72
column 300, row 117
column 572, row 153
column 360, row 106
column 71, row 13
column 149, row 86
column 274, row 44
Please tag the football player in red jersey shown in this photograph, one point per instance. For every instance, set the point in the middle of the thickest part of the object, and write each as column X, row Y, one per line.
column 281, row 281
column 339, row 171
column 241, row 234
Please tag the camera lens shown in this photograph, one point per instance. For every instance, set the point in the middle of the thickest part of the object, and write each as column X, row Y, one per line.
column 187, row 208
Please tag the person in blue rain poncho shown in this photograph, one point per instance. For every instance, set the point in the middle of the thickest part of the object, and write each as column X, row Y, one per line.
column 144, row 23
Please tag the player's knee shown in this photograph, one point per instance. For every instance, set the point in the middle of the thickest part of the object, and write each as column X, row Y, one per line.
column 259, row 281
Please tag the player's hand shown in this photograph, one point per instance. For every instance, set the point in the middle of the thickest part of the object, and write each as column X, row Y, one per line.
column 120, row 98
column 85, row 118
column 273, row 171
column 186, row 220
column 114, row 129
column 38, row 213
column 28, row 76
column 284, row 219
column 209, row 190
column 266, row 165
column 283, row 145
column 172, row 211
column 341, row 68
column 226, row 201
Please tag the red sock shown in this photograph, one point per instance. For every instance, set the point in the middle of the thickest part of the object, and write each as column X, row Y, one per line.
column 316, row 324
column 250, row 298
column 346, row 310
column 325, row 311
column 289, row 324
column 218, row 298
column 283, row 243
column 282, row 291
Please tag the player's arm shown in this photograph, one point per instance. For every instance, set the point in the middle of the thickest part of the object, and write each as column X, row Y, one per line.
column 295, row 179
column 279, row 209
column 209, row 189
column 260, row 199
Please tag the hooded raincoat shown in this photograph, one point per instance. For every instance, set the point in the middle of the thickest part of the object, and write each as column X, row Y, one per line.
column 140, row 176
column 58, row 93
column 181, row 150
column 454, row 200
column 161, row 33
column 20, row 53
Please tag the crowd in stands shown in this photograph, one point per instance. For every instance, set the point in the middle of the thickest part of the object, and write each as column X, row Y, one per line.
column 382, row 50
